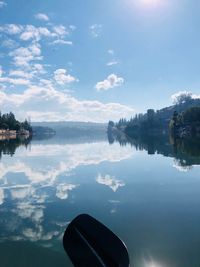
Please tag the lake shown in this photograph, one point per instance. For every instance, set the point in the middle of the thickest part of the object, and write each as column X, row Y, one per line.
column 147, row 193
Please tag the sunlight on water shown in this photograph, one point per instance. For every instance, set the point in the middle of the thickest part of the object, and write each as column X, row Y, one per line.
column 44, row 186
column 152, row 263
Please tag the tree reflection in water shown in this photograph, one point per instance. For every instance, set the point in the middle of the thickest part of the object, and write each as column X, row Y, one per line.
column 9, row 146
column 186, row 152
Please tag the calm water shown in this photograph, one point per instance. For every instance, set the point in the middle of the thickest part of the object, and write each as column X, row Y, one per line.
column 149, row 200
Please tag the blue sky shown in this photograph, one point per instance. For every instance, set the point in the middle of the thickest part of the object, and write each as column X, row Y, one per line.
column 96, row 60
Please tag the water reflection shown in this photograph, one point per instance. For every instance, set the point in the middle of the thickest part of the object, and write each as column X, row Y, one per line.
column 8, row 146
column 43, row 175
column 154, row 210
column 186, row 152
column 152, row 263
column 110, row 181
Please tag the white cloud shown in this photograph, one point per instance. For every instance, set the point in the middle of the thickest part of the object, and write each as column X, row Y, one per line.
column 18, row 81
column 9, row 43
column 41, row 99
column 110, row 181
column 95, row 30
column 11, row 28
column 37, row 234
column 60, row 30
column 111, row 63
column 20, row 192
column 61, row 41
column 22, row 56
column 177, row 95
column 23, row 80
column 111, row 51
column 42, row 16
column 32, row 32
column 38, row 69
column 111, row 81
column 194, row 96
column 61, row 77
column 46, row 103
column 21, row 73
column 63, row 189
column 2, row 4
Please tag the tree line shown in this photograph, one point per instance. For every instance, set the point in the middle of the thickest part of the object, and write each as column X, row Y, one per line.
column 188, row 120
column 140, row 123
column 9, row 122
column 185, row 111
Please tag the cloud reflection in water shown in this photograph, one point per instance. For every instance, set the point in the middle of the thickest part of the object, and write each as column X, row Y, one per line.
column 33, row 178
column 110, row 181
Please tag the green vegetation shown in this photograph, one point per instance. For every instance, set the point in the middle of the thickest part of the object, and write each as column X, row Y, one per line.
column 9, row 122
column 184, row 113
column 189, row 117
column 186, row 123
column 149, row 122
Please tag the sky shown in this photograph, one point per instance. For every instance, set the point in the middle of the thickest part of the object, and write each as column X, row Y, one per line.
column 75, row 60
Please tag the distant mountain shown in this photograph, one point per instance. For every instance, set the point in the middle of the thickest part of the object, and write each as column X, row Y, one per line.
column 70, row 129
column 42, row 132
column 70, row 124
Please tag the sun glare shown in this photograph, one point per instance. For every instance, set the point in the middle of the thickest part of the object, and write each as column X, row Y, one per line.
column 150, row 3
column 152, row 263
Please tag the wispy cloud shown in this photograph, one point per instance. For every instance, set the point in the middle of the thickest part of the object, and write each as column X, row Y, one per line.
column 111, row 81
column 14, row 81
column 41, row 16
column 95, row 30
column 62, row 42
column 21, row 73
column 111, row 51
column 61, row 30
column 111, row 63
column 11, row 28
column 9, row 43
column 2, row 4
